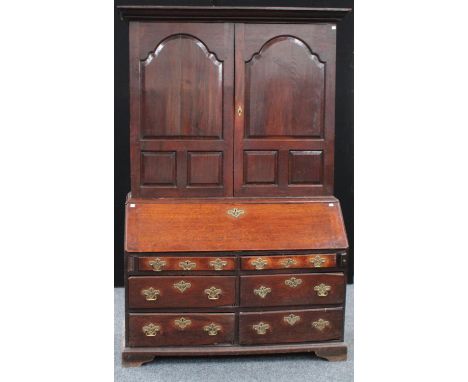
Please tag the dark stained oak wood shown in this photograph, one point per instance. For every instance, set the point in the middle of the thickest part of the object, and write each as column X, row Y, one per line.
column 279, row 293
column 169, row 296
column 288, row 262
column 175, row 263
column 191, row 330
column 291, row 326
column 159, row 227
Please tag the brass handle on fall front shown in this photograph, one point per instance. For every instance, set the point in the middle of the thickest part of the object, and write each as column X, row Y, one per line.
column 262, row 291
column 320, row 324
column 261, row 328
column 157, row 264
column 151, row 330
column 239, row 110
column 212, row 329
column 213, row 293
column 322, row 289
column 151, row 294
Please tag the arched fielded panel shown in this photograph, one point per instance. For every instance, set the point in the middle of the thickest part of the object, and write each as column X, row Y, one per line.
column 181, row 90
column 285, row 90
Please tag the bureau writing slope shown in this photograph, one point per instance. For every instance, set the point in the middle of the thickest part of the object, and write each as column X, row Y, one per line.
column 234, row 241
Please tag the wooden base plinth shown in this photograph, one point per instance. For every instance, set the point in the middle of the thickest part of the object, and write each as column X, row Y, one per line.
column 132, row 357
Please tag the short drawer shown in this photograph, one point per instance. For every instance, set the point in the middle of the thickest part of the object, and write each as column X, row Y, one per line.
column 288, row 262
column 290, row 326
column 166, row 263
column 188, row 329
column 292, row 289
column 184, row 291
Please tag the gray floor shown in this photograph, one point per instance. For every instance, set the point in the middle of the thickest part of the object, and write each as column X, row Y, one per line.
column 277, row 368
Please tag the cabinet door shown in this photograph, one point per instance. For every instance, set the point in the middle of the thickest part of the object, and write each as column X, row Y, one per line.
column 284, row 109
column 181, row 89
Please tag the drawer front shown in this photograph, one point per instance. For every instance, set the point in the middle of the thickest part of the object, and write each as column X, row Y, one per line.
column 184, row 291
column 185, row 329
column 292, row 289
column 290, row 326
column 288, row 262
column 186, row 264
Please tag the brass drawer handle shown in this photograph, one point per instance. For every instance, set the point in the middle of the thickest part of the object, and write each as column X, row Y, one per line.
column 259, row 263
column 235, row 212
column 187, row 265
column 151, row 330
column 288, row 262
column 320, row 324
column 218, row 264
column 317, row 261
column 262, row 291
column 157, row 264
column 322, row 289
column 213, row 293
column 261, row 328
column 151, row 294
column 182, row 285
column 293, row 282
column 291, row 319
column 212, row 329
column 182, row 322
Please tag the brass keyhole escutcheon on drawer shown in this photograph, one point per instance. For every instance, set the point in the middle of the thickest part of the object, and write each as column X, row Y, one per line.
column 239, row 110
column 187, row 265
column 182, row 285
column 182, row 322
column 212, row 329
column 259, row 263
column 157, row 264
column 218, row 264
column 261, row 328
column 151, row 329
column 320, row 324
column 213, row 293
column 262, row 291
column 322, row 289
column 293, row 282
column 291, row 319
column 235, row 212
column 317, row 261
column 151, row 294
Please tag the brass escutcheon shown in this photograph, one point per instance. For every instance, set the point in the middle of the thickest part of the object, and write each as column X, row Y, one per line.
column 182, row 285
column 235, row 212
column 151, row 329
column 212, row 329
column 151, row 294
column 320, row 324
column 157, row 264
column 293, row 282
column 259, row 263
column 262, row 291
column 322, row 289
column 317, row 261
column 261, row 327
column 239, row 110
column 218, row 264
column 182, row 322
column 187, row 265
column 288, row 262
column 213, row 293
column 291, row 319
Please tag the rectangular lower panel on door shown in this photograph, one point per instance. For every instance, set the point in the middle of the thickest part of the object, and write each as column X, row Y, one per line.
column 186, row 329
column 290, row 326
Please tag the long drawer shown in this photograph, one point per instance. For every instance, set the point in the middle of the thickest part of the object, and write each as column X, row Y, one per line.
column 290, row 326
column 292, row 289
column 189, row 329
column 181, row 292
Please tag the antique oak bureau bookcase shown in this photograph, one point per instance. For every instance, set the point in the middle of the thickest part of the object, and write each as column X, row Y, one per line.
column 234, row 242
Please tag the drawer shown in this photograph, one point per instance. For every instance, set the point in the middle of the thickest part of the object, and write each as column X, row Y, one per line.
column 184, row 291
column 292, row 289
column 288, row 262
column 185, row 329
column 159, row 264
column 290, row 326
